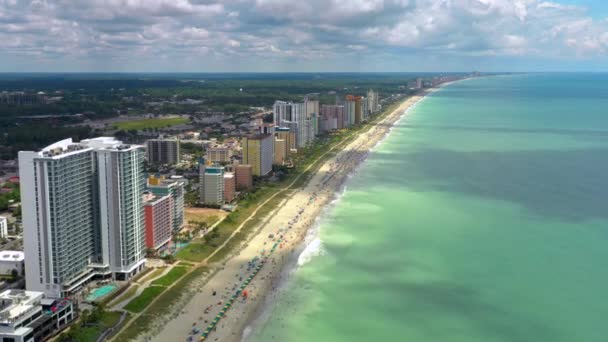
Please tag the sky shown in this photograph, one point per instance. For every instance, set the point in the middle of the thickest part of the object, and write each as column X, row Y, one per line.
column 302, row 35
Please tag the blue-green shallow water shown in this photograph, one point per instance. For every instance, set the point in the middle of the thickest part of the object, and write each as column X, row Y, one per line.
column 482, row 217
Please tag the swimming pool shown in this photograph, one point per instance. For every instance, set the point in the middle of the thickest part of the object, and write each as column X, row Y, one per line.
column 100, row 292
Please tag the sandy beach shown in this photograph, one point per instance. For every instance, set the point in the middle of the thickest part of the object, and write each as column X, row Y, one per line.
column 286, row 226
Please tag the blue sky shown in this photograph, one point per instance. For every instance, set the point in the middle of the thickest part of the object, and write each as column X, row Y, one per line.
column 303, row 35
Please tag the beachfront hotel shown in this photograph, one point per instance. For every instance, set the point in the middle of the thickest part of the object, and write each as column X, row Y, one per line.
column 353, row 109
column 158, row 213
column 332, row 117
column 244, row 177
column 229, row 187
column 211, row 184
column 373, row 103
column 280, row 151
column 258, row 151
column 82, row 213
column 301, row 118
column 176, row 188
column 121, row 183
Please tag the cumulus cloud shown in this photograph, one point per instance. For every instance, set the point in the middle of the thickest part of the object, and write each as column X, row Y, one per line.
column 294, row 31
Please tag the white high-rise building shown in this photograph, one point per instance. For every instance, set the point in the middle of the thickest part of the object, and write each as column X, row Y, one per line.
column 312, row 114
column 304, row 115
column 373, row 104
column 80, row 216
column 122, row 181
column 349, row 113
column 3, row 227
column 211, row 183
column 258, row 151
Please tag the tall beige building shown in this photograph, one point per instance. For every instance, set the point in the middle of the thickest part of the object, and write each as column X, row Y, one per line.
column 284, row 133
column 280, row 151
column 258, row 152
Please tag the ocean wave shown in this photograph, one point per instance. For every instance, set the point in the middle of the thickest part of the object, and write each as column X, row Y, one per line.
column 313, row 249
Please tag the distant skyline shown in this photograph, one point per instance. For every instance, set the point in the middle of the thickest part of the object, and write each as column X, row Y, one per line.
column 302, row 36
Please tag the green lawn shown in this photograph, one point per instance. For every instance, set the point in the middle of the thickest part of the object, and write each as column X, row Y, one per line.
column 197, row 250
column 150, row 123
column 92, row 330
column 125, row 295
column 139, row 303
column 172, row 276
column 152, row 275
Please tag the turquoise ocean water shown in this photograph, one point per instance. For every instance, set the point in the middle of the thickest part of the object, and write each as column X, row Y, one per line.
column 482, row 217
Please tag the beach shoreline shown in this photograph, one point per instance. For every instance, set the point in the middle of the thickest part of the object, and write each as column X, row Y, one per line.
column 286, row 227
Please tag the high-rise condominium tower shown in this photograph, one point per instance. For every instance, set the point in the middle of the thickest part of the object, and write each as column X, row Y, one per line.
column 82, row 213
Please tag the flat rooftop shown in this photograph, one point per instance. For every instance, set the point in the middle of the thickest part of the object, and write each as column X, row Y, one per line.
column 11, row 256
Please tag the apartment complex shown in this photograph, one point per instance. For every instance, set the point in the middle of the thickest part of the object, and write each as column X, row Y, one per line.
column 258, row 152
column 82, row 213
column 218, row 154
column 163, row 151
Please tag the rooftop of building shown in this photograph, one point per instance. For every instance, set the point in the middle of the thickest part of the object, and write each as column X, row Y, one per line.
column 163, row 182
column 67, row 147
column 108, row 143
column 214, row 169
column 12, row 256
column 16, row 303
column 152, row 199
column 258, row 136
column 62, row 149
